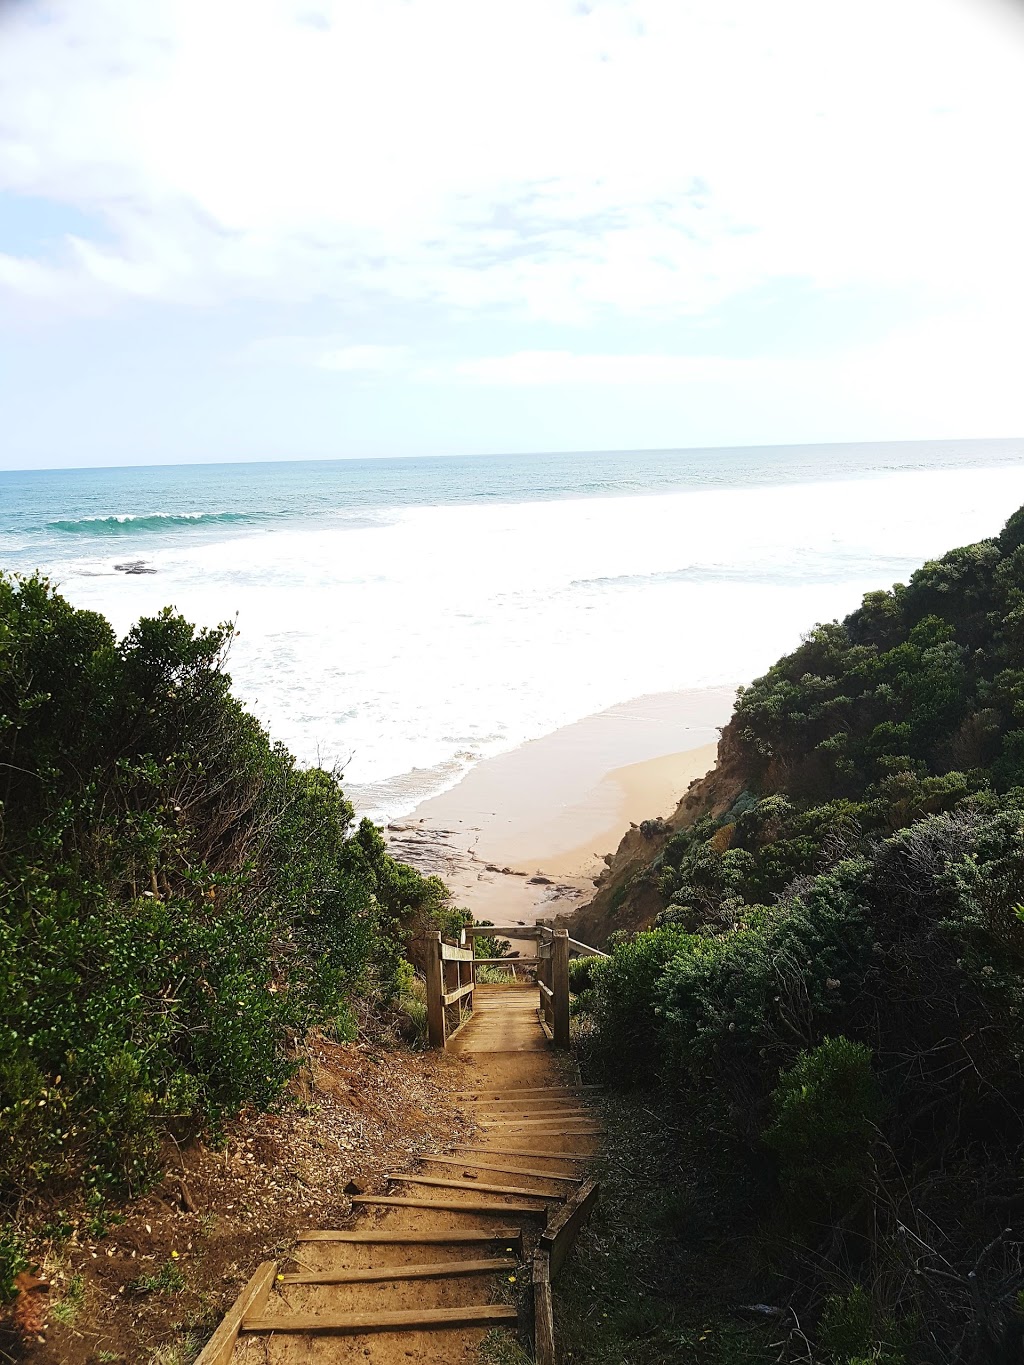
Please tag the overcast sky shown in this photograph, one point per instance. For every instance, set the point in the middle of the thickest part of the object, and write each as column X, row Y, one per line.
column 266, row 229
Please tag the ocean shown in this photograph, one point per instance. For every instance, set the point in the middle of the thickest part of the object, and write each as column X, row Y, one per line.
column 406, row 618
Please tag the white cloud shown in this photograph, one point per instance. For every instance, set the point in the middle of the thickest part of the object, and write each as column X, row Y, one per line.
column 532, row 368
column 363, row 359
column 560, row 161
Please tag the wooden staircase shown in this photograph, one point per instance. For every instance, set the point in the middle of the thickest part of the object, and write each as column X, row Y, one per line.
column 462, row 1242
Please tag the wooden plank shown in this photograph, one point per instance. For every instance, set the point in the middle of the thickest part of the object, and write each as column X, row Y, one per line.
column 434, row 989
column 448, row 1205
column 546, row 991
column 253, row 1299
column 565, row 1223
column 543, row 1310
column 585, row 950
column 501, row 1109
column 501, row 931
column 450, row 997
column 471, row 1315
column 507, row 1151
column 544, row 1119
column 449, row 953
column 560, row 986
column 429, row 1271
column 467, row 1018
column 399, row 1237
column 557, row 1104
column 506, row 1170
column 482, row 1093
column 440, row 1183
column 512, row 1132
column 508, row 962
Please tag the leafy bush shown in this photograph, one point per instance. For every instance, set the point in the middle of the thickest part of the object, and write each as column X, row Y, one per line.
column 179, row 901
column 838, row 973
column 825, row 1109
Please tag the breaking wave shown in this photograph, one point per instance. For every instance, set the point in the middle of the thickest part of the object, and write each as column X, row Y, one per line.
column 128, row 523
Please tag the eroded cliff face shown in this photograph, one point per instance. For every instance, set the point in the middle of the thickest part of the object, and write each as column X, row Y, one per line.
column 627, row 895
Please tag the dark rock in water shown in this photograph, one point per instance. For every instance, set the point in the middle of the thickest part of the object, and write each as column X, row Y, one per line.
column 540, row 881
column 135, row 566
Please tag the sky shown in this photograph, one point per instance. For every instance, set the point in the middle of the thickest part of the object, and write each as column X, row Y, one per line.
column 273, row 229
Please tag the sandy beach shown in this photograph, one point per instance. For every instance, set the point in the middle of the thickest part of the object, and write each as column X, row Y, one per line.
column 524, row 834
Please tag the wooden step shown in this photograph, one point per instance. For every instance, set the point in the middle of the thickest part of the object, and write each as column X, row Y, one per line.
column 481, row 1113
column 472, row 1315
column 503, row 1170
column 541, row 1116
column 438, row 1183
column 508, row 1151
column 450, row 1206
column 399, row 1237
column 509, row 1133
column 431, row 1270
column 539, row 1092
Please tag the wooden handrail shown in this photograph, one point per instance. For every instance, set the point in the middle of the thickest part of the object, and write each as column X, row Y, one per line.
column 584, row 949
column 505, row 931
column 446, row 986
column 449, row 953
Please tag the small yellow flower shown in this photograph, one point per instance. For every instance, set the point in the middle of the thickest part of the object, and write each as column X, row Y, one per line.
column 174, row 1255
column 280, row 1277
column 511, row 1279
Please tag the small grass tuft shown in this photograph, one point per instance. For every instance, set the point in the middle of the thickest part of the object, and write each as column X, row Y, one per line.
column 66, row 1309
column 500, row 1347
column 169, row 1279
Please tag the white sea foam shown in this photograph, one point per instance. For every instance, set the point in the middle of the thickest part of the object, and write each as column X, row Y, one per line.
column 408, row 649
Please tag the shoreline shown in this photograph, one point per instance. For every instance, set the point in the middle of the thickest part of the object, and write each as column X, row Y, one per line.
column 524, row 835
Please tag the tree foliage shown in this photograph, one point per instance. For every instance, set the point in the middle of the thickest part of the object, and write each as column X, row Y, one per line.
column 179, row 900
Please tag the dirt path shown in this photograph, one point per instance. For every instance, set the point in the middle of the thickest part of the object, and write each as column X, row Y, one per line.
column 454, row 1231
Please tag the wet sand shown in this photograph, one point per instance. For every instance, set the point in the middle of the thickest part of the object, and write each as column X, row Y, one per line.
column 523, row 835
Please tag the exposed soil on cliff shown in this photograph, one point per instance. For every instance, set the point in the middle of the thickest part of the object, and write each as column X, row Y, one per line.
column 627, row 894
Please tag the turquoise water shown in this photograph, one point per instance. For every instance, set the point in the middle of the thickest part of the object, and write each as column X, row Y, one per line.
column 405, row 618
column 42, row 512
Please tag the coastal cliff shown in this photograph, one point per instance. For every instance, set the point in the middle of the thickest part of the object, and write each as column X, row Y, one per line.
column 628, row 896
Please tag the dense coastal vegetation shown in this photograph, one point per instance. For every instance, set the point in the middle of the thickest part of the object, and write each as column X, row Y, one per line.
column 180, row 903
column 829, row 1007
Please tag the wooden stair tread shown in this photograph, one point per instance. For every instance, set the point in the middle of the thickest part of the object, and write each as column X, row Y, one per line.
column 404, row 1320
column 438, row 1182
column 501, row 1170
column 549, row 1116
column 448, row 1205
column 487, row 1091
column 507, row 1151
column 428, row 1271
column 400, row 1237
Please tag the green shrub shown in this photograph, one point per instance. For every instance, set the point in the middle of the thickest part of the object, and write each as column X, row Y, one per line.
column 179, row 901
column 627, row 1003
column 825, row 1112
column 13, row 1260
column 837, row 988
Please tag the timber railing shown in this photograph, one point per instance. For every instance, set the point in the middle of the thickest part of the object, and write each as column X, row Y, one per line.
column 451, row 980
column 451, row 976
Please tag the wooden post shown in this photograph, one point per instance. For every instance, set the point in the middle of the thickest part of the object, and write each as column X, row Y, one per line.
column 252, row 1300
column 435, row 990
column 560, row 986
column 543, row 1313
